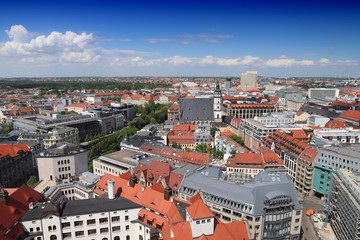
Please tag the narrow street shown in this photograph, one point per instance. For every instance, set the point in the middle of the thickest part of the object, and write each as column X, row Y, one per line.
column 308, row 228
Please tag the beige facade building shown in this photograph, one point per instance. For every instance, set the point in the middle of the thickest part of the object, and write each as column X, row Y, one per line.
column 248, row 80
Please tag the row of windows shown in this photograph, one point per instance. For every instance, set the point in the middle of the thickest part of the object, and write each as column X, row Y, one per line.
column 62, row 169
column 66, row 161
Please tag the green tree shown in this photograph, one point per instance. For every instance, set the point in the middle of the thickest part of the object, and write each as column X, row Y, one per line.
column 213, row 131
column 201, row 147
column 238, row 139
column 32, row 181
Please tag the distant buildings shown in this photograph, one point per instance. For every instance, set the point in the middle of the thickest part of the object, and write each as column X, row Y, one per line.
column 248, row 80
column 52, row 137
column 323, row 92
column 62, row 161
column 16, row 165
column 344, row 204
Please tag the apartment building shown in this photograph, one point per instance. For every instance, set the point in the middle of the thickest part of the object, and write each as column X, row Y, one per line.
column 16, row 165
column 248, row 109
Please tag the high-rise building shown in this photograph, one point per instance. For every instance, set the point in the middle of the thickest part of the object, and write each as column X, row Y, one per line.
column 248, row 80
column 344, row 204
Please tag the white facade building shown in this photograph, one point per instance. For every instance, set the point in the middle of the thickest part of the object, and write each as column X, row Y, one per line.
column 99, row 218
column 62, row 161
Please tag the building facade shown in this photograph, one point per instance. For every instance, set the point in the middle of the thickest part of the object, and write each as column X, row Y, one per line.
column 62, row 161
column 333, row 158
column 248, row 110
column 248, row 80
column 16, row 165
column 344, row 204
column 270, row 213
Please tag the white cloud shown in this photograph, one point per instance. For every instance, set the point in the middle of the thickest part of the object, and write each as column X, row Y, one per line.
column 324, row 61
column 284, row 61
column 18, row 33
column 61, row 47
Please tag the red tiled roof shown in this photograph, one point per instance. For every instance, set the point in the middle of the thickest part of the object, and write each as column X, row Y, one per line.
column 308, row 155
column 18, row 204
column 184, row 127
column 336, row 124
column 199, row 210
column 12, row 149
column 351, row 115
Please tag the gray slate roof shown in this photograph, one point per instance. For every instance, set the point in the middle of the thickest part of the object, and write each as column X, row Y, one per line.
column 248, row 197
column 197, row 109
column 80, row 207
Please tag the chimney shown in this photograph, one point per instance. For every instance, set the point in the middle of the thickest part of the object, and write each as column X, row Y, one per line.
column 154, row 234
column 167, row 193
column 133, row 180
column 111, row 188
column 4, row 195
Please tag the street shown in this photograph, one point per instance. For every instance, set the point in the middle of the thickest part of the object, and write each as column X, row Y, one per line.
column 308, row 228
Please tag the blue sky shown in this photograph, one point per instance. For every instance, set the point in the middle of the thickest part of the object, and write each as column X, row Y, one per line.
column 179, row 38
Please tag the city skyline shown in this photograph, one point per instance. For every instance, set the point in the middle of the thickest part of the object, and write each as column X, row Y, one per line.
column 163, row 38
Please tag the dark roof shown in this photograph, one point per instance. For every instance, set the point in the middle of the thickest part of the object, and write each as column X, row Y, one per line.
column 197, row 109
column 321, row 112
column 138, row 140
column 81, row 207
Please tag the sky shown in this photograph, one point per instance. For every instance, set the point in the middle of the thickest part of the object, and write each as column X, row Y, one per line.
column 179, row 38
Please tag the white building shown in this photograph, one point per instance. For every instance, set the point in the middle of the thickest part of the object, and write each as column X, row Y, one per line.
column 317, row 120
column 62, row 161
column 99, row 218
column 248, row 80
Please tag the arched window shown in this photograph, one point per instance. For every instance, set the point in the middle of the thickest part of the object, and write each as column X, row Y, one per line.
column 117, row 238
column 53, row 237
column 49, row 228
column 141, row 237
column 54, row 227
column 104, row 239
column 128, row 237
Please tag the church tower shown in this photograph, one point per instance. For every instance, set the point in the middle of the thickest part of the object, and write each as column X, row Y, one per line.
column 217, row 104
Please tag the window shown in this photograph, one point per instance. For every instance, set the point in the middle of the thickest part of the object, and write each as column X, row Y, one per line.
column 126, row 218
column 49, row 228
column 116, row 229
column 31, row 229
column 117, row 238
column 127, row 227
column 90, row 221
column 38, row 229
column 115, row 219
column 103, row 220
column 140, row 227
column 79, row 233
column 298, row 212
column 54, row 227
column 67, row 235
column 197, row 222
column 297, row 220
column 91, row 231
column 53, row 237
column 78, row 223
column 127, row 237
column 104, row 230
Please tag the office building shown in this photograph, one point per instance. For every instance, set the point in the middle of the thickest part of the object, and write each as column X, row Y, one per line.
column 329, row 159
column 322, row 93
column 248, row 80
column 270, row 205
column 62, row 161
column 344, row 204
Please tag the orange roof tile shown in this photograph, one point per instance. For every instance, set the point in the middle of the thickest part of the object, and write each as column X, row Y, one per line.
column 12, row 149
column 334, row 123
column 199, row 210
column 351, row 115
